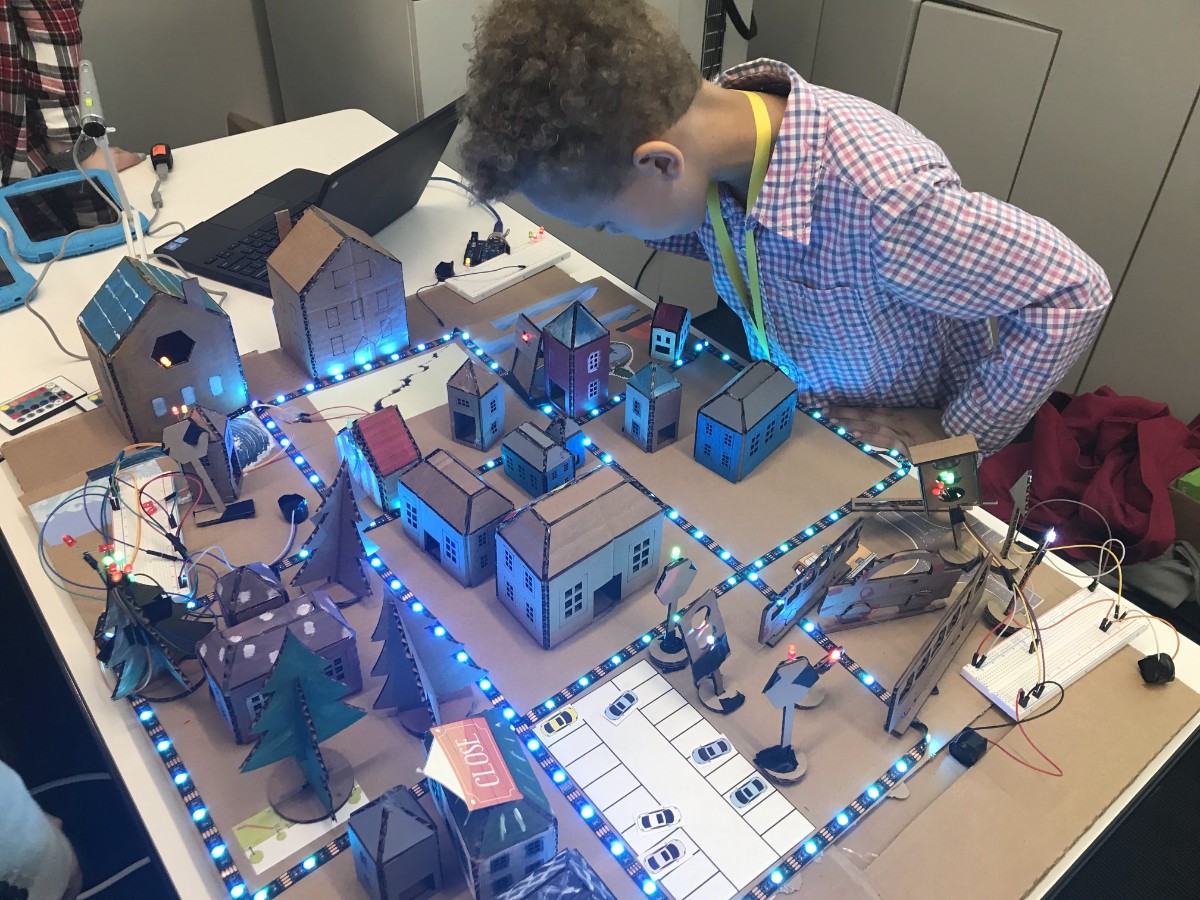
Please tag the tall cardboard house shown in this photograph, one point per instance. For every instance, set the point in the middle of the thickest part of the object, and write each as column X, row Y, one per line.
column 744, row 422
column 394, row 843
column 499, row 845
column 160, row 346
column 378, row 449
column 475, row 399
column 536, row 461
column 339, row 295
column 668, row 331
column 653, row 398
column 452, row 515
column 571, row 556
column 238, row 660
column 568, row 433
column 575, row 347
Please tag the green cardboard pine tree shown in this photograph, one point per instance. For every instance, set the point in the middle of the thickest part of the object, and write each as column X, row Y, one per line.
column 303, row 709
column 334, row 551
column 404, row 689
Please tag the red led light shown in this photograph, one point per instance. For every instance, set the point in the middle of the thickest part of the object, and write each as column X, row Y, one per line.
column 525, row 336
column 835, row 654
column 68, row 540
column 150, row 507
column 791, row 652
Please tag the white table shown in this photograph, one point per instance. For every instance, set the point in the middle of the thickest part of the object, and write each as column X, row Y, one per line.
column 208, row 177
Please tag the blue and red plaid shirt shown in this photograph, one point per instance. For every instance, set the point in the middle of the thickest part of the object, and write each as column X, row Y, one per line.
column 880, row 272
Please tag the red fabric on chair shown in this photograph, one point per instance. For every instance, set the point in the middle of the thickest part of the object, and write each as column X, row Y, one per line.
column 1117, row 453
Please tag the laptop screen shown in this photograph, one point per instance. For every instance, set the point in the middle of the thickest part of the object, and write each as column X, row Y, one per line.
column 381, row 186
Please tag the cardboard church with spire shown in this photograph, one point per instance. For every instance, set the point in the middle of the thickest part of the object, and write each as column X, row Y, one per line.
column 653, row 399
column 575, row 348
column 475, row 399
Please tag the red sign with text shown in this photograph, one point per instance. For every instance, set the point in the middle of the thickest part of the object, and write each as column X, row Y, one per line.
column 471, row 752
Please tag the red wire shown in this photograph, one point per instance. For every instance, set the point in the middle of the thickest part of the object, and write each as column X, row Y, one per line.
column 195, row 497
column 1057, row 773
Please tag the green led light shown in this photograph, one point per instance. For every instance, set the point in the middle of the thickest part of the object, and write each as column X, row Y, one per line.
column 676, row 617
column 107, row 561
column 119, row 555
column 675, row 551
column 947, row 477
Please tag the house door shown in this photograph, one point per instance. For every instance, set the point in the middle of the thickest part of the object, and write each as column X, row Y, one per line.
column 607, row 596
column 464, row 427
column 433, row 546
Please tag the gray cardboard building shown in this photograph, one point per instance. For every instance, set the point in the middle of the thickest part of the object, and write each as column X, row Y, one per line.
column 570, row 556
column 653, row 398
column 249, row 591
column 394, row 843
column 452, row 515
column 743, row 423
column 238, row 660
column 536, row 461
column 475, row 399
column 568, row 433
column 566, row 877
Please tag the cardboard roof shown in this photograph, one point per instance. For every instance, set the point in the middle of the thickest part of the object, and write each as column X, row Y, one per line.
column 569, row 876
column 392, row 823
column 669, row 316
column 386, row 440
column 575, row 326
column 125, row 294
column 654, row 380
column 962, row 445
column 301, row 255
column 487, row 832
column 455, row 492
column 245, row 652
column 749, row 396
column 535, row 447
column 562, row 429
column 248, row 586
column 473, row 379
column 557, row 530
column 789, row 682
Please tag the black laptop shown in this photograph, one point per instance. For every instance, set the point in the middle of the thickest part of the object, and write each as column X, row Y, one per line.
column 369, row 193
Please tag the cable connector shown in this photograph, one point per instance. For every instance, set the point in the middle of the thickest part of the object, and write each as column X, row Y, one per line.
column 179, row 546
column 977, row 659
column 1038, row 690
column 1023, row 699
column 1105, row 624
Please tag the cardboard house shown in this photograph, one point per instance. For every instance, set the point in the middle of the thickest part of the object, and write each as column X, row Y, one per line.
column 575, row 348
column 475, row 399
column 237, row 661
column 452, row 515
column 569, row 557
column 220, row 470
column 394, row 843
column 500, row 844
column 743, row 423
column 249, row 591
column 653, row 398
column 566, row 877
column 568, row 433
column 536, row 461
column 339, row 295
column 378, row 449
column 668, row 331
column 160, row 346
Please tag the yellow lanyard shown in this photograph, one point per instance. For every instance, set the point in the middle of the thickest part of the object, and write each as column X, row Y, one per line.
column 752, row 298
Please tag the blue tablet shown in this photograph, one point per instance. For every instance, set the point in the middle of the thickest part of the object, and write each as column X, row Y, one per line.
column 15, row 282
column 41, row 211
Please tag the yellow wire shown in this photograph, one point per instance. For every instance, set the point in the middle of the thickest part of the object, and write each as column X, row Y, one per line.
column 1116, row 562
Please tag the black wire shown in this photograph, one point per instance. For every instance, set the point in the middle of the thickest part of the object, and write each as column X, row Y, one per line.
column 1062, row 695
column 498, row 227
column 426, row 287
column 638, row 280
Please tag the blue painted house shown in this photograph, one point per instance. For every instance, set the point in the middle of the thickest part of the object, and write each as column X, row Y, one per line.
column 536, row 461
column 744, row 422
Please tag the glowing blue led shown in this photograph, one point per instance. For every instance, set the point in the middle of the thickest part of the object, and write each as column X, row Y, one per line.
column 466, row 335
column 367, row 367
column 479, row 351
column 726, row 555
column 616, row 659
column 559, row 776
column 237, row 891
column 606, row 458
column 314, row 478
column 679, row 362
column 816, row 414
column 724, row 357
column 810, row 531
column 901, row 766
column 842, row 819
column 439, row 631
column 271, row 426
column 338, row 377
column 672, row 514
column 587, row 811
column 649, row 888
column 199, row 814
column 509, row 712
column 418, row 606
column 776, row 877
column 868, row 680
column 893, row 452
column 834, row 516
column 784, row 547
column 163, row 745
column 617, row 848
column 758, row 564
column 395, row 357
column 617, row 398
column 587, row 442
column 809, row 627
column 881, row 487
column 810, row 847
column 841, row 431
column 146, row 715
column 491, row 464
column 310, row 387
column 731, row 580
column 217, row 851
column 549, row 704
column 584, row 681
column 902, row 472
column 303, row 554
column 298, row 459
column 485, row 685
column 420, row 347
column 494, row 365
column 376, row 562
column 596, row 412
column 873, row 792
column 285, row 443
column 309, row 864
column 461, row 656
column 646, row 638
column 395, row 585
column 699, row 346
column 533, row 745
column 181, row 778
column 280, row 398
column 753, row 576
column 698, row 534
column 445, row 337
column 547, row 409
column 262, row 894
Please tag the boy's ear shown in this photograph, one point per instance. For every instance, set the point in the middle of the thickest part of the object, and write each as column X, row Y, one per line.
column 662, row 158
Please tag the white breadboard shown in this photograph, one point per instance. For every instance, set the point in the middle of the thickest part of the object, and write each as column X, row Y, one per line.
column 481, row 281
column 128, row 529
column 1072, row 649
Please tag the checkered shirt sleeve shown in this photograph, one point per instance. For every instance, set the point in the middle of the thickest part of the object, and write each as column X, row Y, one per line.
column 683, row 244
column 970, row 256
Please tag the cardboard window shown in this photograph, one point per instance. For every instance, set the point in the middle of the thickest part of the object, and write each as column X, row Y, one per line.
column 337, row 344
column 381, row 300
column 356, row 309
column 189, row 394
column 332, row 319
column 215, row 387
column 159, row 406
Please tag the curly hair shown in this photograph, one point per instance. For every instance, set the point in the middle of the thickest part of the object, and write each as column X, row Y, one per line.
column 566, row 90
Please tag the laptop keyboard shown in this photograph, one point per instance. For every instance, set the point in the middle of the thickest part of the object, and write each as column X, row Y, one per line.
column 247, row 256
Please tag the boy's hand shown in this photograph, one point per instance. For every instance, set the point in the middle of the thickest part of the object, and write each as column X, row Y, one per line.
column 888, row 428
column 122, row 158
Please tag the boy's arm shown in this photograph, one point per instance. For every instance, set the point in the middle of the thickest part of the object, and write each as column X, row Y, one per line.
column 683, row 244
column 970, row 256
column 51, row 66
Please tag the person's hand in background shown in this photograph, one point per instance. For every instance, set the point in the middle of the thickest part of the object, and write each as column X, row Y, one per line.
column 124, row 159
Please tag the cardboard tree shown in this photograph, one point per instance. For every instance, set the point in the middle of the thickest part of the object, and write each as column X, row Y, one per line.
column 443, row 666
column 334, row 551
column 303, row 710
column 143, row 634
column 404, row 689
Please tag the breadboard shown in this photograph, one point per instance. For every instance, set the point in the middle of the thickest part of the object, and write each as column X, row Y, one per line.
column 480, row 282
column 1072, row 649
column 135, row 536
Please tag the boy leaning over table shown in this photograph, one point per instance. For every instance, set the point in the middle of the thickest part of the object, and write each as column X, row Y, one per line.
column 877, row 272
